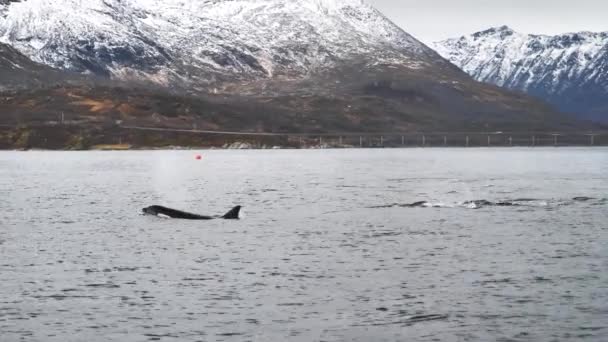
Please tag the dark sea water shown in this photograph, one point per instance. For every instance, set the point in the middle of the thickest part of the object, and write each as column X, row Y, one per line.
column 328, row 250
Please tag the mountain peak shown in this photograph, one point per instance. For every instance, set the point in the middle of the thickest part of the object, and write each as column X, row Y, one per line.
column 504, row 28
column 211, row 40
column 502, row 31
column 570, row 70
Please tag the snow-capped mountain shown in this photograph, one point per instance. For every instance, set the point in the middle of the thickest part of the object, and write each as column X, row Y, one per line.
column 203, row 41
column 18, row 71
column 569, row 70
column 250, row 65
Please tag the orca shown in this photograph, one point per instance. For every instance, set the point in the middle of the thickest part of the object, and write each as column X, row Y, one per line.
column 417, row 204
column 161, row 211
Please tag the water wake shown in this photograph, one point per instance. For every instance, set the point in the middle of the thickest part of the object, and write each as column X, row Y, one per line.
column 478, row 204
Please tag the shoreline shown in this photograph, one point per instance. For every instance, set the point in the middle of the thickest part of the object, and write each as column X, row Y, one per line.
column 275, row 148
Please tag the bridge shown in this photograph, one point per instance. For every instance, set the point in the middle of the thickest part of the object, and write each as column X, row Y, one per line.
column 396, row 139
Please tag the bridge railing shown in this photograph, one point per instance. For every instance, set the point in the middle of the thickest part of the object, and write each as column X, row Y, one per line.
column 394, row 139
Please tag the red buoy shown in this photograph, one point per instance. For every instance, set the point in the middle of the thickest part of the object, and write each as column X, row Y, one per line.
column 199, row 157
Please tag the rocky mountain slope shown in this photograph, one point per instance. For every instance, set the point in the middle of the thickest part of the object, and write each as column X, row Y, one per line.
column 203, row 41
column 18, row 71
column 569, row 70
column 243, row 65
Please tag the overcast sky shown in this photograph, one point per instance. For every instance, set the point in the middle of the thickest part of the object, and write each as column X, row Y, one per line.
column 433, row 20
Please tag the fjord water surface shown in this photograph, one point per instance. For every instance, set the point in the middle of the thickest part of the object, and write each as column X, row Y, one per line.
column 327, row 250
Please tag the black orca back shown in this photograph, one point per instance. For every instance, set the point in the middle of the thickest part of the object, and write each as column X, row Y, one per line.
column 173, row 213
column 178, row 214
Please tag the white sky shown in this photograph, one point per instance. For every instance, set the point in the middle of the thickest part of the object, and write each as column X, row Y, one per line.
column 433, row 20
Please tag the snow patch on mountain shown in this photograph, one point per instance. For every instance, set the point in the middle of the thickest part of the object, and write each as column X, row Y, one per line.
column 569, row 70
column 516, row 60
column 203, row 41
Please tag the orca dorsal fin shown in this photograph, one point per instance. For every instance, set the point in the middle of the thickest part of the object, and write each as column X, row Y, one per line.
column 233, row 214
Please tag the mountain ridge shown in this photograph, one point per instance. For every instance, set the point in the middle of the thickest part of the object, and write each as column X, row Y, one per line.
column 309, row 66
column 568, row 70
column 201, row 42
